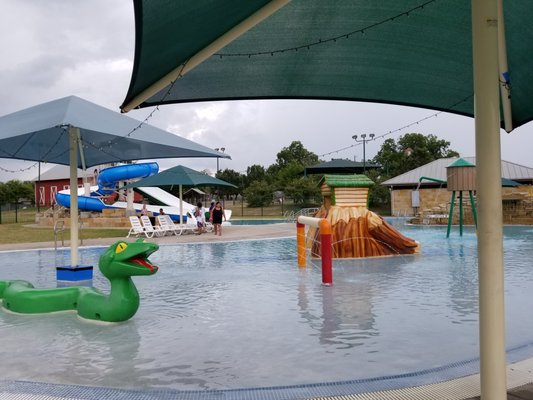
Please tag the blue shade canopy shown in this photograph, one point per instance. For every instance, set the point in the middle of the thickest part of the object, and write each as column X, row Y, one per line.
column 179, row 175
column 409, row 52
column 40, row 133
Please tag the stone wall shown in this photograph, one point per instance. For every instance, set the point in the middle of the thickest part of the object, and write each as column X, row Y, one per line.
column 108, row 218
column 435, row 205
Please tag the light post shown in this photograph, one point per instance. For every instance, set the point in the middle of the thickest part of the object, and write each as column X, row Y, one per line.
column 364, row 140
column 222, row 149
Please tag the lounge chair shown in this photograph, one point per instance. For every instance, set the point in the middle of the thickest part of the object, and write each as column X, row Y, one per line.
column 137, row 229
column 167, row 225
column 149, row 228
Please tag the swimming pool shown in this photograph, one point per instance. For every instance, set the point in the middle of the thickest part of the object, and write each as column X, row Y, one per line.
column 256, row 221
column 242, row 315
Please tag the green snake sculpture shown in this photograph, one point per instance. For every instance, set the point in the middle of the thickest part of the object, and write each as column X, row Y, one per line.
column 119, row 263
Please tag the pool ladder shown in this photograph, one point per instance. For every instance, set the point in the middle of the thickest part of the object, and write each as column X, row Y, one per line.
column 59, row 228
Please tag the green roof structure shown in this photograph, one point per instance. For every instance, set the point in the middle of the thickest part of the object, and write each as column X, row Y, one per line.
column 460, row 162
column 361, row 181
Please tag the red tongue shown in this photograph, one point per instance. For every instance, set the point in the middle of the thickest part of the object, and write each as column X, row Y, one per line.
column 142, row 262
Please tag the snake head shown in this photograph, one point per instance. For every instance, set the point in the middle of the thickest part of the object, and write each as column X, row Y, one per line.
column 128, row 259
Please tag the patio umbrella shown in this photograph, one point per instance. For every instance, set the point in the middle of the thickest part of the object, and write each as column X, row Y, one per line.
column 437, row 54
column 182, row 176
column 75, row 132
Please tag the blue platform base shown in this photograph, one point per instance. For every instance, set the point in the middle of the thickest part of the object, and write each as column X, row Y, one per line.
column 74, row 273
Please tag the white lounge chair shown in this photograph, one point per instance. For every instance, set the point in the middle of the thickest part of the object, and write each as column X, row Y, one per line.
column 167, row 225
column 149, row 228
column 189, row 226
column 137, row 229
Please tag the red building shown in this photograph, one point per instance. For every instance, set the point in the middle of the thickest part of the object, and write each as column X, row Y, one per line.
column 55, row 179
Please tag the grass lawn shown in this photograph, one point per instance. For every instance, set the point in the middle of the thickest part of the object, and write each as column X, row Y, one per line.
column 22, row 233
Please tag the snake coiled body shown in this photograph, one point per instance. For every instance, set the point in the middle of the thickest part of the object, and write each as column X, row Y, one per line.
column 119, row 263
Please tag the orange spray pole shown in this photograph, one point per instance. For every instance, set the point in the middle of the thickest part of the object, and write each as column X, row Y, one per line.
column 300, row 242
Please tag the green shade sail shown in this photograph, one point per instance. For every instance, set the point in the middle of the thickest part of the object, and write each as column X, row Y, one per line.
column 411, row 52
column 179, row 175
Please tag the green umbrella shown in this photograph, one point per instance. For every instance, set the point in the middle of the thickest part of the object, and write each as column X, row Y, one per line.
column 182, row 176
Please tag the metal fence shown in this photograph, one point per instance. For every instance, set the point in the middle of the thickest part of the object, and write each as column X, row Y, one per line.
column 15, row 213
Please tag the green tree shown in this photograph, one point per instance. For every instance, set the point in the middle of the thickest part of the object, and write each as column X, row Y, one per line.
column 15, row 190
column 233, row 177
column 411, row 151
column 296, row 153
column 290, row 164
column 303, row 191
column 259, row 194
column 255, row 173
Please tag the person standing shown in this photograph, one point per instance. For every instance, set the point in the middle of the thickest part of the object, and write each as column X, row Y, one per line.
column 218, row 214
column 199, row 214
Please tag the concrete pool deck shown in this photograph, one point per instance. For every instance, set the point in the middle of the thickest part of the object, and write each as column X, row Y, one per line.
column 467, row 388
column 229, row 233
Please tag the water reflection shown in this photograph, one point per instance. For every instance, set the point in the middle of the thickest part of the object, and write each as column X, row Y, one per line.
column 227, row 315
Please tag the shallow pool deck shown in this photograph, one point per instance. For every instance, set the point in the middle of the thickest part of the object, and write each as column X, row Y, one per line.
column 520, row 375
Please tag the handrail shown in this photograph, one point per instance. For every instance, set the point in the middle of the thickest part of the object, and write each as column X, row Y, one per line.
column 59, row 226
column 303, row 212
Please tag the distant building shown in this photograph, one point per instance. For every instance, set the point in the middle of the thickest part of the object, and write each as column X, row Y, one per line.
column 55, row 179
column 423, row 190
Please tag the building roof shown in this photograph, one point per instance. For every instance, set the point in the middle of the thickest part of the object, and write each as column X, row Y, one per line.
column 460, row 162
column 62, row 172
column 347, row 181
column 437, row 170
column 339, row 166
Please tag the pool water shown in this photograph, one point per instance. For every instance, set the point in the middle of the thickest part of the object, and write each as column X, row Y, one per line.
column 242, row 315
column 256, row 221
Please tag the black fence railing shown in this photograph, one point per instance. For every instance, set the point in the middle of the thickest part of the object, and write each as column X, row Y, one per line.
column 12, row 213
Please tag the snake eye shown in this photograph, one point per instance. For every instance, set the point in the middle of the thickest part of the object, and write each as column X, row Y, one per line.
column 121, row 247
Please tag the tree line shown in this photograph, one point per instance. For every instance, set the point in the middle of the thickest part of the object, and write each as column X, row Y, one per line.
column 285, row 179
column 286, row 175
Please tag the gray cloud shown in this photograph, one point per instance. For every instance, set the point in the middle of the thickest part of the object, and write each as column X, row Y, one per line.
column 52, row 49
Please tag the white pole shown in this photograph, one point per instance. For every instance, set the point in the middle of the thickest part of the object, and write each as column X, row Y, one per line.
column 181, row 204
column 73, row 148
column 247, row 24
column 129, row 202
column 489, row 191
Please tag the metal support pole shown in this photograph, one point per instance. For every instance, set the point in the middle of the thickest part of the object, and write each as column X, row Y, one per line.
column 489, row 196
column 73, row 147
column 450, row 217
column 473, row 203
column 460, row 213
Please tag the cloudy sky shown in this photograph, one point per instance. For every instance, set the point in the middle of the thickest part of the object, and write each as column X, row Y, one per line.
column 56, row 48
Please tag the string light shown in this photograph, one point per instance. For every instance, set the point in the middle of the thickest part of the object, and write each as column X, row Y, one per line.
column 334, row 39
column 434, row 115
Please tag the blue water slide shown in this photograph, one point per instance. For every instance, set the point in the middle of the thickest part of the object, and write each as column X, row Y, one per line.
column 107, row 182
column 108, row 178
column 84, row 203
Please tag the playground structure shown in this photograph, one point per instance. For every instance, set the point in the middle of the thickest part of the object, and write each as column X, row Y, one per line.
column 110, row 181
column 461, row 176
column 356, row 231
